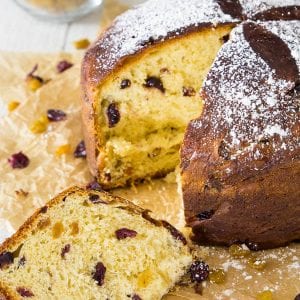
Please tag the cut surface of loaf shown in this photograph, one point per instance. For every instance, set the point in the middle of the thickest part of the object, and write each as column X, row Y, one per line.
column 91, row 245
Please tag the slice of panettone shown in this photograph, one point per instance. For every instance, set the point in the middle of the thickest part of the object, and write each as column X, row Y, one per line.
column 90, row 245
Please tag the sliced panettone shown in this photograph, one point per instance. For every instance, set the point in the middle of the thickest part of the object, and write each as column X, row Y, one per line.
column 91, row 245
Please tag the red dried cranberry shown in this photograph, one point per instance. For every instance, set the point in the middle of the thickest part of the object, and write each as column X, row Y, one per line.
column 66, row 249
column 188, row 92
column 99, row 273
column 205, row 215
column 63, row 66
column 24, row 292
column 113, row 115
column 6, row 259
column 56, row 115
column 80, row 151
column 136, row 297
column 18, row 161
column 154, row 82
column 199, row 271
column 125, row 84
column 124, row 233
column 174, row 232
column 94, row 185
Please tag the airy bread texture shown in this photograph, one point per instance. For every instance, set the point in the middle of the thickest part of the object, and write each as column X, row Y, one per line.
column 90, row 245
column 140, row 128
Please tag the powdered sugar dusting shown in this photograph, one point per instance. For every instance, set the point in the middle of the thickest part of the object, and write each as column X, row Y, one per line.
column 255, row 108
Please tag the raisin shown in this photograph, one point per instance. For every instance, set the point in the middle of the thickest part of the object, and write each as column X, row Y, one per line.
column 217, row 276
column 225, row 38
column 205, row 215
column 174, row 232
column 81, row 44
column 94, row 185
column 223, row 151
column 80, row 151
column 113, row 115
column 74, row 228
column 66, row 249
column 6, row 259
column 24, row 292
column 188, row 91
column 94, row 198
column 252, row 246
column 56, row 115
column 154, row 82
column 199, row 271
column 57, row 230
column 124, row 233
column 44, row 209
column 99, row 273
column 18, row 161
column 297, row 297
column 136, row 297
column 125, row 84
column 63, row 66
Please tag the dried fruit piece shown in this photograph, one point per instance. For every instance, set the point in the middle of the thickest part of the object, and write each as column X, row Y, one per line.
column 188, row 91
column 63, row 149
column 81, row 44
column 225, row 38
column 57, row 230
column 63, row 66
column 80, row 151
column 18, row 161
column 217, row 276
column 40, row 125
column 12, row 105
column 66, row 249
column 236, row 250
column 74, row 228
column 113, row 115
column 175, row 233
column 56, row 115
column 25, row 292
column 34, row 82
column 44, row 209
column 265, row 295
column 252, row 246
column 144, row 278
column 199, row 271
column 124, row 233
column 256, row 263
column 136, row 297
column 6, row 259
column 94, row 185
column 205, row 215
column 154, row 82
column 99, row 273
column 125, row 84
column 297, row 297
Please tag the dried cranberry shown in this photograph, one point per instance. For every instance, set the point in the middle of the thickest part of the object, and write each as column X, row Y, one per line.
column 18, row 161
column 136, row 297
column 205, row 215
column 44, row 209
column 174, row 232
column 99, row 273
column 125, row 84
column 80, row 150
column 63, row 66
column 252, row 246
column 124, row 233
column 297, row 297
column 199, row 271
column 66, row 249
column 154, row 82
column 113, row 115
column 188, row 91
column 94, row 185
column 24, row 292
column 56, row 115
column 6, row 259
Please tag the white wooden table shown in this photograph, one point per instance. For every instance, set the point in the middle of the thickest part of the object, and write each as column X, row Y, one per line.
column 21, row 32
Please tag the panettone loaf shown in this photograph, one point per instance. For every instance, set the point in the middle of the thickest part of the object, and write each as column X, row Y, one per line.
column 91, row 245
column 241, row 158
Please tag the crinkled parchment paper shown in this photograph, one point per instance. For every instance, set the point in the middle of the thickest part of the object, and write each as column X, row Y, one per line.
column 49, row 174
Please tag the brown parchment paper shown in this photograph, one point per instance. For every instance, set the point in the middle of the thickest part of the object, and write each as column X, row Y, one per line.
column 49, row 174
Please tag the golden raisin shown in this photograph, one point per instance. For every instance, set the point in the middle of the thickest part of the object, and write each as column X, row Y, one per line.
column 217, row 276
column 57, row 230
column 63, row 149
column 33, row 83
column 40, row 125
column 236, row 250
column 81, row 44
column 256, row 263
column 74, row 228
column 12, row 105
column 265, row 295
column 144, row 278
